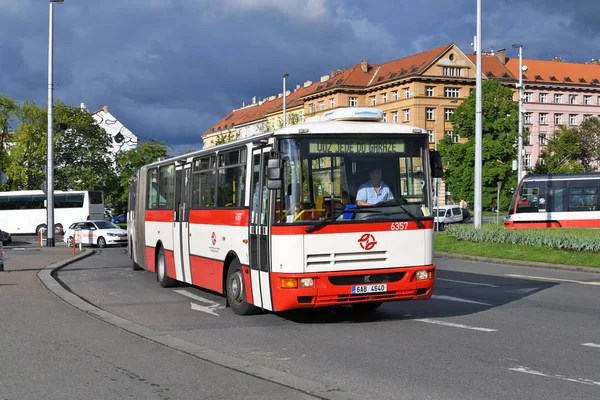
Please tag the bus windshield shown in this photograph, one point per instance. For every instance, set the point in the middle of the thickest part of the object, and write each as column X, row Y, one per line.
column 372, row 180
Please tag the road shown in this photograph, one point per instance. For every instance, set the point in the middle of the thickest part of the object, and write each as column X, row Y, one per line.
column 491, row 331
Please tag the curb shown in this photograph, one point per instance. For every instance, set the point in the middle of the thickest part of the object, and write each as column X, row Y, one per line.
column 318, row 390
column 531, row 264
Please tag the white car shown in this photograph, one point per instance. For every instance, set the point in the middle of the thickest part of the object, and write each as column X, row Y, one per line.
column 100, row 233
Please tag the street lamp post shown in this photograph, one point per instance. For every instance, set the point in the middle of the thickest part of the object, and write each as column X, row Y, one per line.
column 284, row 117
column 478, row 126
column 520, row 87
column 50, row 166
column 435, row 142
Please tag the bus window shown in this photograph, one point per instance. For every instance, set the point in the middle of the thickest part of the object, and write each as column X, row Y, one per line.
column 152, row 203
column 232, row 175
column 95, row 197
column 166, row 189
column 203, row 183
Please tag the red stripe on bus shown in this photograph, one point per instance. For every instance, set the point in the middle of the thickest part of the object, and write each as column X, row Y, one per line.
column 207, row 273
column 247, row 283
column 234, row 217
column 159, row 215
column 170, row 260
column 150, row 259
column 561, row 223
column 349, row 228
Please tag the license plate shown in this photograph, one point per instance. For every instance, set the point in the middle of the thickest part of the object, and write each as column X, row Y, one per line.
column 360, row 289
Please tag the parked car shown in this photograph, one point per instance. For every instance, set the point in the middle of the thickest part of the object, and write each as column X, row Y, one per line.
column 99, row 233
column 119, row 219
column 449, row 214
column 6, row 237
column 466, row 214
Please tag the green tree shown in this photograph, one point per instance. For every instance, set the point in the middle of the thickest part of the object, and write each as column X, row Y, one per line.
column 8, row 113
column 227, row 137
column 500, row 124
column 562, row 154
column 128, row 163
column 589, row 140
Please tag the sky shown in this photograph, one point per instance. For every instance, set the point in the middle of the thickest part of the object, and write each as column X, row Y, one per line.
column 170, row 69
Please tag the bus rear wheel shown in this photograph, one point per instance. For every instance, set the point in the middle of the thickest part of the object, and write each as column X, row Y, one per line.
column 236, row 291
column 161, row 271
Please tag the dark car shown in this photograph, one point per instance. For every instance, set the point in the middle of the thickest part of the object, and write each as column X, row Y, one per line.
column 118, row 219
column 466, row 215
column 6, row 238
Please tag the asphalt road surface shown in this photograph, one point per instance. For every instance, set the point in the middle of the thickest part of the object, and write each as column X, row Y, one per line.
column 490, row 332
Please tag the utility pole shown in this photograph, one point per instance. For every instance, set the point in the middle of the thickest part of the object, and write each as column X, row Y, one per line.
column 520, row 87
column 478, row 126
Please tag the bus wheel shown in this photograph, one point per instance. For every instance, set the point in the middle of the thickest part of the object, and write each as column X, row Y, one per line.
column 39, row 228
column 161, row 271
column 236, row 292
column 366, row 307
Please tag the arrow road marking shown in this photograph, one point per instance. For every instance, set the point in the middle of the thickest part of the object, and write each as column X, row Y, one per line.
column 468, row 283
column 211, row 308
column 530, row 371
column 591, row 345
column 450, row 298
column 554, row 279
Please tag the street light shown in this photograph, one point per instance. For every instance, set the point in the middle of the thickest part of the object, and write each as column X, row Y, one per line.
column 520, row 87
column 435, row 142
column 50, row 166
column 284, row 120
column 478, row 126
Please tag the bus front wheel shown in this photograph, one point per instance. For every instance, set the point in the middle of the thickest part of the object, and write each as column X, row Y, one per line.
column 161, row 271
column 236, row 291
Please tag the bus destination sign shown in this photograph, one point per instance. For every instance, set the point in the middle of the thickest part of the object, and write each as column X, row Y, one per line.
column 356, row 146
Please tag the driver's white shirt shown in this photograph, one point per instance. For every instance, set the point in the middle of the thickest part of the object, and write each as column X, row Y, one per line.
column 369, row 195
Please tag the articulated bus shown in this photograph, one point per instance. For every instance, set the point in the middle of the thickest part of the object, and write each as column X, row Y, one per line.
column 25, row 211
column 556, row 201
column 271, row 221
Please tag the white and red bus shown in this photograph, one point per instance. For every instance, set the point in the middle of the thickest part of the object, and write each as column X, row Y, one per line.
column 556, row 201
column 270, row 221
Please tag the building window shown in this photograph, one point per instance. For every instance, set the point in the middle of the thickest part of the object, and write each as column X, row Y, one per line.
column 528, row 97
column 395, row 95
column 311, row 108
column 543, row 97
column 558, row 98
column 448, row 112
column 454, row 137
column 543, row 139
column 587, row 116
column 331, row 102
column 587, row 100
column 543, row 118
column 429, row 91
column 451, row 71
column 557, row 119
column 452, row 92
column 527, row 161
column 407, row 114
column 353, row 101
column 407, row 92
column 572, row 119
column 572, row 99
column 384, row 97
column 321, row 105
column 384, row 117
column 429, row 114
column 431, row 138
column 395, row 116
column 373, row 100
column 528, row 118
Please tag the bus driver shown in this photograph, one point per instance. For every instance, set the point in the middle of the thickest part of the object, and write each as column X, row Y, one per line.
column 373, row 191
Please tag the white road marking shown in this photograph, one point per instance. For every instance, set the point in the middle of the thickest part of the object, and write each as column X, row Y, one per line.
column 542, row 278
column 450, row 298
column 591, row 345
column 530, row 371
column 467, row 283
column 210, row 309
column 453, row 325
column 521, row 291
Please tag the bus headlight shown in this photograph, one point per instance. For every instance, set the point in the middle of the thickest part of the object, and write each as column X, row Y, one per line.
column 422, row 275
column 306, row 282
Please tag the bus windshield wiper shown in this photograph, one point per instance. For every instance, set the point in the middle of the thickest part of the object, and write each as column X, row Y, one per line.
column 398, row 203
column 333, row 217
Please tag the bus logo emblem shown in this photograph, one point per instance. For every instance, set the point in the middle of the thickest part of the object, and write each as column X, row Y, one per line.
column 213, row 238
column 367, row 241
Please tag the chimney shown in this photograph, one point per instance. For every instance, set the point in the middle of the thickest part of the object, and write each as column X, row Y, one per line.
column 105, row 108
column 556, row 59
column 280, row 95
column 307, row 83
column 364, row 65
column 288, row 92
column 297, row 87
column 501, row 54
column 336, row 72
column 324, row 78
column 253, row 99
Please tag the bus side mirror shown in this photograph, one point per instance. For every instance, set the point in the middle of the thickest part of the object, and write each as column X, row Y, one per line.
column 437, row 169
column 274, row 174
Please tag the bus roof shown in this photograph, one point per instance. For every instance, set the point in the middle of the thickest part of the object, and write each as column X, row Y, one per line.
column 561, row 177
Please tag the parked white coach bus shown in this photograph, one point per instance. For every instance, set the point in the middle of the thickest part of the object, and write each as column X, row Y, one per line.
column 272, row 221
column 24, row 212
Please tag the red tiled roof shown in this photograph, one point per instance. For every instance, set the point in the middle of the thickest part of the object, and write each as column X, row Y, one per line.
column 563, row 72
column 493, row 68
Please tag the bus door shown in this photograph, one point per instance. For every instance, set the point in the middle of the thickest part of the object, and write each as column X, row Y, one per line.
column 259, row 230
column 181, row 226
